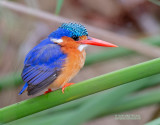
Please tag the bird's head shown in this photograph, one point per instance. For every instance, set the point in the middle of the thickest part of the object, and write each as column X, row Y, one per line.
column 76, row 36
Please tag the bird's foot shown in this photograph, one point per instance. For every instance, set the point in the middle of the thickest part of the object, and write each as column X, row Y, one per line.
column 48, row 91
column 66, row 85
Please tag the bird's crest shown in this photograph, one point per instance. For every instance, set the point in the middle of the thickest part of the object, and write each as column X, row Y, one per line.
column 69, row 30
column 76, row 29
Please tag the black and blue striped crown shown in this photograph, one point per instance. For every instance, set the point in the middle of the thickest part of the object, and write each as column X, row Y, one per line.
column 70, row 30
column 76, row 29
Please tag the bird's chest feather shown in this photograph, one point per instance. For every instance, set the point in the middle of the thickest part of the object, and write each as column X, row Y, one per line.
column 73, row 63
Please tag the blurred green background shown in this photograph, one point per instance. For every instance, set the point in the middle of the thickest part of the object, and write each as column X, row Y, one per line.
column 136, row 19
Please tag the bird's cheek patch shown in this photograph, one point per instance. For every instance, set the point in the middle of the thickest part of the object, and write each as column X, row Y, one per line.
column 81, row 47
column 57, row 40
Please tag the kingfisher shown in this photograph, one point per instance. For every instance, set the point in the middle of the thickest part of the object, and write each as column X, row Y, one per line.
column 57, row 59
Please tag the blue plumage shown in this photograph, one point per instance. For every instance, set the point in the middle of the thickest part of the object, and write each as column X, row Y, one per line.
column 60, row 33
column 42, row 66
column 23, row 89
column 69, row 30
column 44, row 62
column 76, row 29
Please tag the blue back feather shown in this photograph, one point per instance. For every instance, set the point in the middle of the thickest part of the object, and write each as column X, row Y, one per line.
column 43, row 62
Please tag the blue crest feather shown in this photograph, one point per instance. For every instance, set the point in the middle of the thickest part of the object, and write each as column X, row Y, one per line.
column 69, row 30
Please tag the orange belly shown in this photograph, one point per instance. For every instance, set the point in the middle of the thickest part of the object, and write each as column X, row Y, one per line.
column 74, row 62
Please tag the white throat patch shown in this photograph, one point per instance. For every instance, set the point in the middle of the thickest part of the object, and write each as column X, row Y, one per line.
column 56, row 40
column 81, row 47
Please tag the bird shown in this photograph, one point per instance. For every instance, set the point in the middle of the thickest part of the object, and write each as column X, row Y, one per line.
column 57, row 59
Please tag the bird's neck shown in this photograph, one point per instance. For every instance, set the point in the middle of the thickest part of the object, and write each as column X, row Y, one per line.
column 72, row 50
column 75, row 56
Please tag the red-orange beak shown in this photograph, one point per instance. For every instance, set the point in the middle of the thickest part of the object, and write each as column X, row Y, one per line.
column 97, row 42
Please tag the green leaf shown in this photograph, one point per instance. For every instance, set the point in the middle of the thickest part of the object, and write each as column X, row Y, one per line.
column 122, row 104
column 135, row 101
column 79, row 90
column 58, row 7
column 154, row 122
column 95, row 106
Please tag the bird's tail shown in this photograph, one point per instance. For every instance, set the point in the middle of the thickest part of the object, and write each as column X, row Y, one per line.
column 24, row 87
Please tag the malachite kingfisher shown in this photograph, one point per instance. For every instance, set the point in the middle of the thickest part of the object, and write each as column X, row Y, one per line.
column 57, row 59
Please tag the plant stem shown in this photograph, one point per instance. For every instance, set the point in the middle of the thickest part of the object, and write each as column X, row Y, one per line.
column 75, row 117
column 149, row 81
column 129, row 102
column 58, row 6
column 79, row 90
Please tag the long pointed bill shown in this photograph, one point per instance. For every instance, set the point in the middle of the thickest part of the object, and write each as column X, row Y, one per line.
column 97, row 42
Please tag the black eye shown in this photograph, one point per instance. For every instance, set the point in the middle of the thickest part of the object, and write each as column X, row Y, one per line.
column 76, row 38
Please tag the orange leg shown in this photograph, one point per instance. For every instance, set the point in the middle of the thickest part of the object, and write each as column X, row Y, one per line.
column 48, row 91
column 66, row 85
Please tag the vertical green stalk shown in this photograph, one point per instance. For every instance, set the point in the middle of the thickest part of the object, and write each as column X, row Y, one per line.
column 58, row 6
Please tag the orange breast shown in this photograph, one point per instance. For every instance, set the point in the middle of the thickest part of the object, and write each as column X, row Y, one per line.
column 74, row 62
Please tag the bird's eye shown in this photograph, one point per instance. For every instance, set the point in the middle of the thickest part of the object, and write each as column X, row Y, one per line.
column 76, row 38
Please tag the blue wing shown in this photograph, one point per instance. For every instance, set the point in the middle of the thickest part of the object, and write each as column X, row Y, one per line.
column 42, row 66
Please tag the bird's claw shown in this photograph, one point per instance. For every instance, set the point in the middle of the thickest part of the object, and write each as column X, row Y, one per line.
column 48, row 91
column 66, row 85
